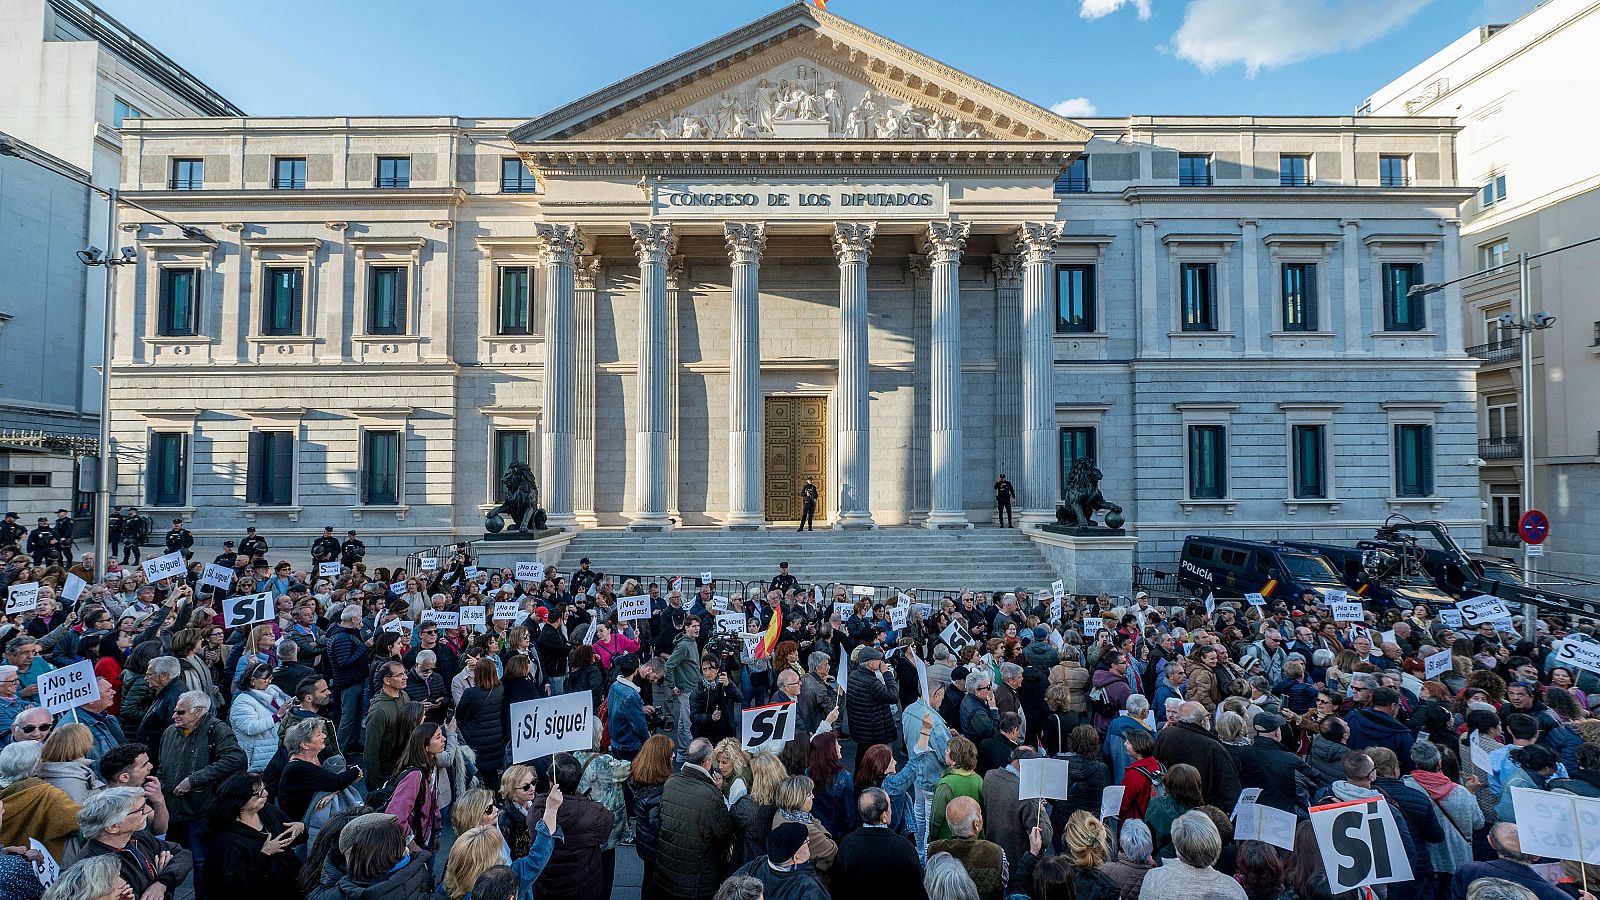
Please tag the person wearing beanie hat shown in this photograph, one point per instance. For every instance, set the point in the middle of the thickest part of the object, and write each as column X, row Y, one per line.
column 786, row 872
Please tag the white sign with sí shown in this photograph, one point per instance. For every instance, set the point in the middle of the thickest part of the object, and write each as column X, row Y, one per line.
column 632, row 609
column 505, row 610
column 329, row 569
column 168, row 565
column 1439, row 663
column 843, row 609
column 474, row 615
column 730, row 623
column 21, row 598
column 762, row 725
column 552, row 725
column 1360, row 844
column 1482, row 608
column 1346, row 612
column 247, row 609
column 219, row 577
column 74, row 685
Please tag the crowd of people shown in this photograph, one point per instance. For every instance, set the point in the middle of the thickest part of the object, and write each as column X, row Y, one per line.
column 353, row 745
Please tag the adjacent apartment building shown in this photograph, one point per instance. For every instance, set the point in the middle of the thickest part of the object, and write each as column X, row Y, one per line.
column 1510, row 89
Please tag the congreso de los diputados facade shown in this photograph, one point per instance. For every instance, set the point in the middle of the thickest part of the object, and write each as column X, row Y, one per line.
column 800, row 250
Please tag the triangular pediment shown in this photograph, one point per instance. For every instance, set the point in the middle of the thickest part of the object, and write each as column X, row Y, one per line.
column 800, row 74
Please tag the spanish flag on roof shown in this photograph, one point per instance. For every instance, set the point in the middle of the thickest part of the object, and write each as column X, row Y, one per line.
column 770, row 639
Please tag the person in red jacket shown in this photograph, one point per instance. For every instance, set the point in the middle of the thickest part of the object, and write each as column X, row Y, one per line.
column 1140, row 778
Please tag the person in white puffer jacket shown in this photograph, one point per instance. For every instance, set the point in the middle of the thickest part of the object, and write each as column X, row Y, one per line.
column 258, row 704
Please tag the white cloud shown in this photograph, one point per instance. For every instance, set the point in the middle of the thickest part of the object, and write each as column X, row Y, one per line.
column 1076, row 106
column 1268, row 33
column 1094, row 9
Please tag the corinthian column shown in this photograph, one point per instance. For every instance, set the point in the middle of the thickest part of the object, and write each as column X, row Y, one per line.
column 1037, row 241
column 852, row 244
column 746, row 240
column 946, row 240
column 558, row 421
column 653, row 242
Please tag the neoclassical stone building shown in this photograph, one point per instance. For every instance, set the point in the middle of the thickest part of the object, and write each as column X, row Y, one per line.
column 800, row 249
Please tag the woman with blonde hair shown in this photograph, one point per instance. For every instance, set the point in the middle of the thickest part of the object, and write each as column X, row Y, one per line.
column 475, row 807
column 766, row 776
column 64, row 761
column 795, row 798
column 482, row 847
column 1087, row 844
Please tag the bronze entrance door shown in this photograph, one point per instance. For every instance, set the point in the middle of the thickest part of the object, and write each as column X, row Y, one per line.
column 796, row 448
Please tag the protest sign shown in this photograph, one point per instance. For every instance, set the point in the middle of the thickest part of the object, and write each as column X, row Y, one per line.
column 1255, row 822
column 1058, row 589
column 925, row 610
column 843, row 668
column 762, row 725
column 843, row 609
column 1411, row 683
column 1053, row 614
column 718, row 605
column 1255, row 599
column 922, row 679
column 1482, row 608
column 219, row 577
column 1092, row 626
column 552, row 725
column 1583, row 654
column 328, row 570
column 46, row 869
column 168, row 565
column 632, row 609
column 1439, row 663
column 1211, row 605
column 1386, row 638
column 1346, row 612
column 1450, row 618
column 956, row 636
column 398, row 588
column 67, row 687
column 1042, row 778
column 1360, row 844
column 74, row 588
column 398, row 625
column 445, row 619
column 1332, row 597
column 730, row 623
column 505, row 610
column 470, row 571
column 247, row 609
column 1553, row 824
column 897, row 616
column 862, row 590
column 705, row 578
column 530, row 571
column 1111, row 801
column 474, row 615
column 428, row 564
column 21, row 598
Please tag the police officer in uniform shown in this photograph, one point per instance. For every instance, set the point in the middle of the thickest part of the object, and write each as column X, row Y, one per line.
column 64, row 526
column 253, row 545
column 41, row 540
column 808, row 506
column 584, row 578
column 135, row 528
column 228, row 557
column 352, row 550
column 783, row 581
column 114, row 530
column 325, row 548
column 1004, row 493
column 179, row 539
column 11, row 531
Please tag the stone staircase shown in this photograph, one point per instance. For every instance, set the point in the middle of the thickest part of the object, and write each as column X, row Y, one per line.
column 982, row 558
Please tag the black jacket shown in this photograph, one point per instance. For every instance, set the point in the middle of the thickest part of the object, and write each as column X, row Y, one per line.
column 1182, row 742
column 1266, row 765
column 1421, row 822
column 237, row 869
column 352, row 551
column 348, row 655
column 573, row 872
column 136, row 875
column 553, row 647
column 480, row 716
column 694, row 833
column 867, row 701
column 325, row 548
column 874, row 863
column 705, row 702
column 179, row 539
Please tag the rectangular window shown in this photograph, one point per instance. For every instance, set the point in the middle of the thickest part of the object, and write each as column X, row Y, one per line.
column 1194, row 169
column 394, row 172
column 167, row 474
column 188, row 174
column 1504, row 421
column 1294, row 170
column 1401, row 311
column 1493, row 254
column 1310, row 451
column 122, row 110
column 1505, row 506
column 1299, row 297
column 1075, row 180
column 515, row 177
column 380, row 468
column 1208, row 462
column 516, row 286
column 289, row 173
column 1199, row 301
column 386, row 300
column 1394, row 171
column 1075, row 299
column 270, row 468
column 510, row 447
column 280, row 311
column 178, row 315
column 1077, row 442
column 1413, row 460
column 1493, row 190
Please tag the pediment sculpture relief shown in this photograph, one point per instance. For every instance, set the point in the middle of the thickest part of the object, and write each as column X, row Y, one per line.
column 804, row 102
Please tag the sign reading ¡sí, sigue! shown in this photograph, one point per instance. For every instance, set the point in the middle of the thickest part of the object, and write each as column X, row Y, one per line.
column 797, row 200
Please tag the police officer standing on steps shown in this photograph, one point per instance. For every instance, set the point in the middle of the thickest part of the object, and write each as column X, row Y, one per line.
column 352, row 550
column 41, row 540
column 1004, row 493
column 179, row 539
column 808, row 507
column 253, row 545
column 135, row 528
column 11, row 531
column 228, row 557
column 325, row 548
column 64, row 527
column 783, row 581
column 113, row 531
column 584, row 578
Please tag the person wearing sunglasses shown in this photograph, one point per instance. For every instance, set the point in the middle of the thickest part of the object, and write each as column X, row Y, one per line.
column 32, row 724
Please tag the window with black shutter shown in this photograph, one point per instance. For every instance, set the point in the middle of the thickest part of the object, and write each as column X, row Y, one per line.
column 271, row 468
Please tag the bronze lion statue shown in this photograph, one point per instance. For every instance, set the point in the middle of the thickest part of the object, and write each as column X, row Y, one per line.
column 521, row 505
column 1083, row 498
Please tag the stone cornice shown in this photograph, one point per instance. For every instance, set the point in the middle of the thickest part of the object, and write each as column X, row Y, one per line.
column 1271, row 193
column 738, row 157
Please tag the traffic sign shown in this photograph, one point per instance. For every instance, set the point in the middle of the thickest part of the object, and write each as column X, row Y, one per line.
column 1534, row 526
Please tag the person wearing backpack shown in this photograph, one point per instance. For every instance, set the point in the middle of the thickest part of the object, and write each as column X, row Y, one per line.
column 1144, row 779
column 1109, row 689
column 413, row 795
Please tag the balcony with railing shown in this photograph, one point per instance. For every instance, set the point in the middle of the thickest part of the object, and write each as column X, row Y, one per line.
column 1503, row 350
column 1507, row 447
column 1503, row 537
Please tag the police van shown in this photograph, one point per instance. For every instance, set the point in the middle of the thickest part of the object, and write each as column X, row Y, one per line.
column 1229, row 568
column 1401, row 590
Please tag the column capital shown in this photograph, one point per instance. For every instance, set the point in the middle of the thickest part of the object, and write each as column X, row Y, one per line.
column 918, row 265
column 746, row 241
column 653, row 241
column 852, row 241
column 559, row 241
column 1349, row 223
column 946, row 240
column 1037, row 240
column 586, row 271
column 1007, row 269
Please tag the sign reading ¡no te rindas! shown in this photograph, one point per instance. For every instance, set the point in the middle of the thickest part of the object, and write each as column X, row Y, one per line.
column 552, row 725
column 62, row 689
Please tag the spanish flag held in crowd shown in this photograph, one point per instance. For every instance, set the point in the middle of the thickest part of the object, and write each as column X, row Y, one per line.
column 770, row 639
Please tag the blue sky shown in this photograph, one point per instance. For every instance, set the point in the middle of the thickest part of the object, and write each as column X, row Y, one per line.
column 1105, row 57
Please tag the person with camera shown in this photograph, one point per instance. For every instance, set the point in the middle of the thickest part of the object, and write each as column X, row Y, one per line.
column 683, row 677
column 714, row 711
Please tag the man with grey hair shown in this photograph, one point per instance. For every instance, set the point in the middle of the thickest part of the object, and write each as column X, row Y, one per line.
column 1198, row 844
column 10, row 702
column 984, row 860
column 1512, row 865
column 1189, row 741
column 1008, row 693
column 980, row 717
column 113, row 824
column 165, row 688
column 939, row 670
column 32, row 724
column 291, row 671
column 818, row 693
column 349, row 653
column 1134, row 858
column 873, row 860
column 695, row 827
column 198, row 752
column 1132, row 718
